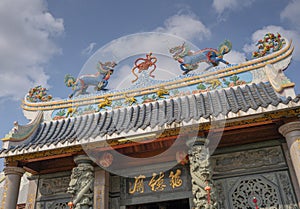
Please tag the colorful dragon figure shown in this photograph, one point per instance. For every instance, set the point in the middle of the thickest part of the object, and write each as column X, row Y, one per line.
column 99, row 80
column 190, row 60
column 269, row 44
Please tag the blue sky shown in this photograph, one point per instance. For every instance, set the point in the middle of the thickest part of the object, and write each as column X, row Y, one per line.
column 41, row 41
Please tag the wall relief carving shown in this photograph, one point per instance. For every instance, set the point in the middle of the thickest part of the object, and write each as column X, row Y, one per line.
column 251, row 159
column 54, row 185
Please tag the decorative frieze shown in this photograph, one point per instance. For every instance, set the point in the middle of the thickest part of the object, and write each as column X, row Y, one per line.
column 249, row 160
column 54, row 185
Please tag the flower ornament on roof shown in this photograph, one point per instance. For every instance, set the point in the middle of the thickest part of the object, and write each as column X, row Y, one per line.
column 38, row 94
column 269, row 44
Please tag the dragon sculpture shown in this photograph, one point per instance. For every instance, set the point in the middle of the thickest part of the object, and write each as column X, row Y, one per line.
column 81, row 187
column 99, row 80
column 190, row 60
column 202, row 183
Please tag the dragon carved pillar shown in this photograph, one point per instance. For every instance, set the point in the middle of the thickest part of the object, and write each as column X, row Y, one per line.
column 81, row 186
column 201, row 176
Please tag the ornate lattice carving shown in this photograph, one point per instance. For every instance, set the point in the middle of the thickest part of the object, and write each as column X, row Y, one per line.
column 62, row 205
column 201, row 173
column 265, row 192
column 57, row 205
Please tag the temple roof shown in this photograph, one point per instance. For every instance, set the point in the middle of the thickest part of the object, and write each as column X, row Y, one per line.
column 252, row 89
column 116, row 123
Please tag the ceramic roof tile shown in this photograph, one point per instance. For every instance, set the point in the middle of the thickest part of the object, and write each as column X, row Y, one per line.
column 154, row 114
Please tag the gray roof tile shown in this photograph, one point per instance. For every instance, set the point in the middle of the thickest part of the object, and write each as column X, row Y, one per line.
column 154, row 114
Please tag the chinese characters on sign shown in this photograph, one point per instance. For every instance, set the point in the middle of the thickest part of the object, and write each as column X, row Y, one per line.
column 175, row 180
column 157, row 182
column 138, row 185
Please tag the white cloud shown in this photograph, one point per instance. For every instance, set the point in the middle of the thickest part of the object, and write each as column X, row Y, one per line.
column 185, row 26
column 121, row 78
column 222, row 5
column 235, row 57
column 25, row 45
column 291, row 13
column 88, row 50
column 289, row 34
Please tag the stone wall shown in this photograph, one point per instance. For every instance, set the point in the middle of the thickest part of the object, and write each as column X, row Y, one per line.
column 51, row 192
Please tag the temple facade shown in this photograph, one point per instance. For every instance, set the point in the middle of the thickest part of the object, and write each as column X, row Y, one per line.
column 226, row 138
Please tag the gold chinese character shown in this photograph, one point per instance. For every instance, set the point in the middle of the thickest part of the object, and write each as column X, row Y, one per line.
column 138, row 185
column 175, row 180
column 157, row 184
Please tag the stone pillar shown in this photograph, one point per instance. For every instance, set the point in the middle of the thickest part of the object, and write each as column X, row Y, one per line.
column 101, row 188
column 201, row 176
column 13, row 179
column 81, row 185
column 32, row 191
column 291, row 132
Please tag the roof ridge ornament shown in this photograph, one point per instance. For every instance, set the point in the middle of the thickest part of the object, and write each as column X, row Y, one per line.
column 22, row 132
column 277, row 78
column 99, row 80
column 269, row 44
column 143, row 64
column 190, row 60
column 147, row 89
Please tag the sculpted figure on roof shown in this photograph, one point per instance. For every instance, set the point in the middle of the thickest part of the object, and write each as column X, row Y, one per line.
column 143, row 64
column 99, row 80
column 190, row 60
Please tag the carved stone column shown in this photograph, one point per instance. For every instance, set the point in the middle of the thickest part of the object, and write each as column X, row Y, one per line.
column 82, row 183
column 201, row 173
column 291, row 131
column 101, row 188
column 32, row 191
column 13, row 178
